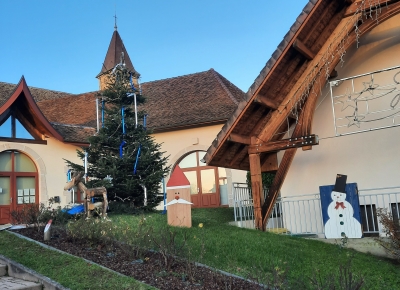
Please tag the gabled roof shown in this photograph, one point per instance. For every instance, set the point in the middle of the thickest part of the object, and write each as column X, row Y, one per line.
column 113, row 56
column 28, row 111
column 75, row 133
column 72, row 110
column 310, row 50
column 6, row 89
column 199, row 99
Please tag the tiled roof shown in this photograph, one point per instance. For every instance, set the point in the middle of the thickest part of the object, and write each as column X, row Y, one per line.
column 180, row 102
column 74, row 133
column 6, row 90
column 190, row 100
column 73, row 110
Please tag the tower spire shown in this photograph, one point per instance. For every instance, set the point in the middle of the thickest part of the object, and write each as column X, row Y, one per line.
column 115, row 23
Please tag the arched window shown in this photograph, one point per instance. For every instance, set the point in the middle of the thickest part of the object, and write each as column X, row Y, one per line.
column 18, row 183
column 205, row 181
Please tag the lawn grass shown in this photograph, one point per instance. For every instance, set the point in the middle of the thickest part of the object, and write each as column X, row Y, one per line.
column 71, row 272
column 240, row 251
column 243, row 251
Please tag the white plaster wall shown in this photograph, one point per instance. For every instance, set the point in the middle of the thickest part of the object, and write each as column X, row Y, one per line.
column 51, row 166
column 370, row 159
column 181, row 142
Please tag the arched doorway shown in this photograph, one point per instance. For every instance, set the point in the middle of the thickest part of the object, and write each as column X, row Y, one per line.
column 18, row 183
column 204, row 180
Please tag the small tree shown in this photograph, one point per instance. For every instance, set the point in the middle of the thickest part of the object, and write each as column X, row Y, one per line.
column 120, row 144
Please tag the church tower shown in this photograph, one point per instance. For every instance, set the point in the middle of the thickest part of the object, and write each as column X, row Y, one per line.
column 115, row 54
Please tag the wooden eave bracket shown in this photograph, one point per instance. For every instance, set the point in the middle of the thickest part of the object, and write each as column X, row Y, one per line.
column 304, row 50
column 267, row 102
column 239, row 139
column 284, row 144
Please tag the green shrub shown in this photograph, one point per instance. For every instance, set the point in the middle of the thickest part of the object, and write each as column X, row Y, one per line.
column 392, row 230
column 37, row 215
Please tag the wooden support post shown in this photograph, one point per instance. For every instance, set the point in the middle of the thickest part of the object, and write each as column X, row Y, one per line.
column 256, row 189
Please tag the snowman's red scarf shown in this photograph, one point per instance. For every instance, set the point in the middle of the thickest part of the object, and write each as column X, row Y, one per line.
column 339, row 204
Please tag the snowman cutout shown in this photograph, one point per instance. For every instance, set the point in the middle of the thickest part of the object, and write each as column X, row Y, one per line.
column 341, row 222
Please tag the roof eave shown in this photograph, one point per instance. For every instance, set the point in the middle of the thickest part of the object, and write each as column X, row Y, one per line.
column 22, row 88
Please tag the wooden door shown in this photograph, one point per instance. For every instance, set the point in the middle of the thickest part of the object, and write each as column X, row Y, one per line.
column 6, row 203
column 18, row 183
column 204, row 186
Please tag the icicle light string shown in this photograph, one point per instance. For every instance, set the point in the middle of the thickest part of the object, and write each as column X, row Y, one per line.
column 335, row 48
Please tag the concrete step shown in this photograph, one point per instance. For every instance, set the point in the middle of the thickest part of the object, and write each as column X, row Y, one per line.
column 3, row 270
column 19, row 277
column 11, row 283
column 8, row 283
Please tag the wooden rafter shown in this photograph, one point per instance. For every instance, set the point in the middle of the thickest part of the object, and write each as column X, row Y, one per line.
column 238, row 154
column 239, row 139
column 324, row 14
column 303, row 49
column 267, row 102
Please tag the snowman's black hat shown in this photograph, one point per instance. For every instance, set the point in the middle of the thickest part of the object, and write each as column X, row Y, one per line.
column 340, row 184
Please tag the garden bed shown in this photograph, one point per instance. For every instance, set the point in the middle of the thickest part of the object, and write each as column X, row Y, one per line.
column 150, row 269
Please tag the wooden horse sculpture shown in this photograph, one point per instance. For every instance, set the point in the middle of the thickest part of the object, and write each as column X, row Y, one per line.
column 88, row 193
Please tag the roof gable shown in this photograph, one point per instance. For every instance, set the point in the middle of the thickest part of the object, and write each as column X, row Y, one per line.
column 27, row 111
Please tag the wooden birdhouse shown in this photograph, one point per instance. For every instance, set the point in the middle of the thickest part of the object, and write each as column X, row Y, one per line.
column 179, row 207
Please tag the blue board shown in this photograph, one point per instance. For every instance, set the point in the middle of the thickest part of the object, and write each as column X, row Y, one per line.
column 351, row 197
column 77, row 209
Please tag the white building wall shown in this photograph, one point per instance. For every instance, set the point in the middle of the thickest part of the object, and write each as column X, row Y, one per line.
column 370, row 159
column 179, row 143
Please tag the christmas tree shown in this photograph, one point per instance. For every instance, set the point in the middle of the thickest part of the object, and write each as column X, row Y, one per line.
column 123, row 156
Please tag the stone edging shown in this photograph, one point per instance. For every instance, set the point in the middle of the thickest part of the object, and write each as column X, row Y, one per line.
column 91, row 262
column 19, row 271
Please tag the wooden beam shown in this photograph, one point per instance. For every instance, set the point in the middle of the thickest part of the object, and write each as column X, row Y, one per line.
column 277, row 184
column 256, row 189
column 270, row 163
column 239, row 139
column 274, row 146
column 356, row 6
column 304, row 50
column 238, row 155
column 267, row 102
column 326, row 12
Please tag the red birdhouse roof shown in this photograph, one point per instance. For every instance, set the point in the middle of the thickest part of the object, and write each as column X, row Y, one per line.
column 177, row 178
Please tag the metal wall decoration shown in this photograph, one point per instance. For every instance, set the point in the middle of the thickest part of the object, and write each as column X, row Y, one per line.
column 366, row 102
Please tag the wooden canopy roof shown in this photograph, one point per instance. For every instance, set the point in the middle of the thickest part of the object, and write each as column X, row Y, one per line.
column 307, row 55
column 286, row 90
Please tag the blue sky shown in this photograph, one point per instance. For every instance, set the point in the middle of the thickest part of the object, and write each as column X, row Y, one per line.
column 61, row 45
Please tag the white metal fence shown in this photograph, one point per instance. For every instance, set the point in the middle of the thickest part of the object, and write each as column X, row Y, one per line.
column 302, row 214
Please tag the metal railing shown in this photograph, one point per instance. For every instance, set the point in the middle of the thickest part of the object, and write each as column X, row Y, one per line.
column 302, row 214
